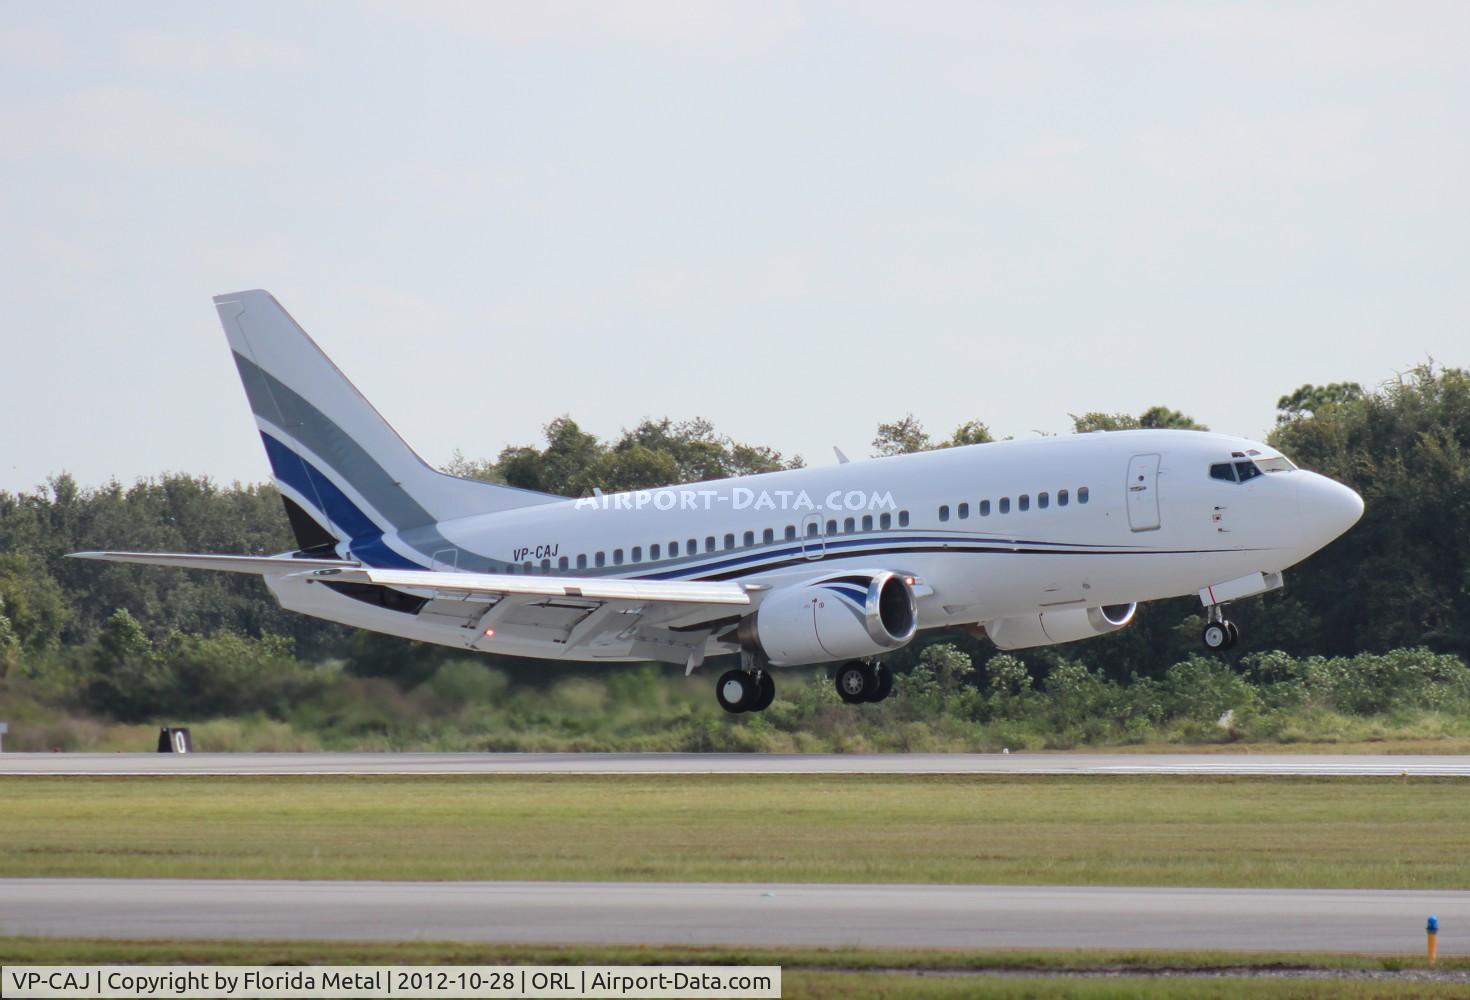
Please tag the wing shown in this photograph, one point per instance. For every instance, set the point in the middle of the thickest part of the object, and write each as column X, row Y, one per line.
column 668, row 620
column 259, row 565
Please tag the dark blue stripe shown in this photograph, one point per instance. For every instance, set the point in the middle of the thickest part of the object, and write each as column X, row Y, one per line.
column 366, row 538
column 860, row 598
column 870, row 540
column 374, row 552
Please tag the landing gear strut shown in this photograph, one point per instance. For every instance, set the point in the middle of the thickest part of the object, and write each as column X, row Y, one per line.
column 859, row 682
column 745, row 690
column 1219, row 634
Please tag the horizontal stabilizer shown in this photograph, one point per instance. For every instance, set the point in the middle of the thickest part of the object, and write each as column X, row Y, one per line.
column 588, row 588
column 259, row 565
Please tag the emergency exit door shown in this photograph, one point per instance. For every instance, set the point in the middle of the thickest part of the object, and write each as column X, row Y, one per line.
column 1143, row 492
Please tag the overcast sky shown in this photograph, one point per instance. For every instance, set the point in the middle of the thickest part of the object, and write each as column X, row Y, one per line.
column 794, row 219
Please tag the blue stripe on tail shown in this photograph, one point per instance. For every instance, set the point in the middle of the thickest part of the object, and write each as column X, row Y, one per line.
column 365, row 537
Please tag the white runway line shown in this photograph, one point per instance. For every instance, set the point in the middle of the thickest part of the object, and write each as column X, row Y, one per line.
column 1419, row 765
column 757, row 914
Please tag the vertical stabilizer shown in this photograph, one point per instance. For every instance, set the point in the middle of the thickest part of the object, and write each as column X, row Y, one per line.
column 345, row 474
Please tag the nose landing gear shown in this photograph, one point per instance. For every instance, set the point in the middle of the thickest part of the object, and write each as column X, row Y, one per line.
column 1219, row 634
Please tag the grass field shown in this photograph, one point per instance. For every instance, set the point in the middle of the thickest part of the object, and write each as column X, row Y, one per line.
column 1276, row 832
column 842, row 972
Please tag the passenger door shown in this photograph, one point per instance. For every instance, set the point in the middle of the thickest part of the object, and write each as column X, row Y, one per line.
column 1143, row 492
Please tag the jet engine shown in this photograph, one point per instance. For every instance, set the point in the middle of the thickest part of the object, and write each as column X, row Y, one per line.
column 838, row 618
column 1052, row 627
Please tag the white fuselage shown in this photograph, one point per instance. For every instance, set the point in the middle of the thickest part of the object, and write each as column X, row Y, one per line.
column 1126, row 517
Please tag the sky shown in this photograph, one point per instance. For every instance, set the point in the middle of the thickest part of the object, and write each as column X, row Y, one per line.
column 795, row 219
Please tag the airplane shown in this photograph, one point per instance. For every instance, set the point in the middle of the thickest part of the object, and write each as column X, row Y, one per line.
column 1031, row 543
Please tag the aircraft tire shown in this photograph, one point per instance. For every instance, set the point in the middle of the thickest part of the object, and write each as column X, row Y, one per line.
column 736, row 690
column 765, row 692
column 855, row 682
column 1216, row 636
column 884, row 686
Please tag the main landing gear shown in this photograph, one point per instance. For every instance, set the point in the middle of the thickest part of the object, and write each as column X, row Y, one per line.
column 1219, row 634
column 859, row 682
column 745, row 691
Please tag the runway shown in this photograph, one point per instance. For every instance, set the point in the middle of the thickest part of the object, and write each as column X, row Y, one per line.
column 894, row 916
column 1422, row 765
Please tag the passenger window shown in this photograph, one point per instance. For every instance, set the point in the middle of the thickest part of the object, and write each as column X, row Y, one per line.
column 768, row 536
column 546, row 565
column 709, row 543
column 1043, row 500
column 561, row 563
column 867, row 522
column 1223, row 471
column 528, row 565
column 617, row 557
column 963, row 511
column 673, row 550
column 1082, row 494
column 582, row 561
column 730, row 540
column 813, row 529
column 903, row 519
column 944, row 512
column 1061, row 498
column 749, row 538
column 1005, row 505
column 849, row 525
column 885, row 521
column 692, row 549
column 637, row 553
column 984, row 508
column 653, row 552
column 790, row 532
column 831, row 527
column 1024, row 501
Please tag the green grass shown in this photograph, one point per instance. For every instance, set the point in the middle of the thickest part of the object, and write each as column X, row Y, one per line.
column 824, row 972
column 1276, row 832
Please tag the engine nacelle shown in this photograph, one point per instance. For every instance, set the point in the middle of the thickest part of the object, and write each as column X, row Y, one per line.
column 1052, row 627
column 838, row 618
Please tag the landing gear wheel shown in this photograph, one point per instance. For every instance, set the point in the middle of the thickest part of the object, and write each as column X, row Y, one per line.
column 1216, row 636
column 1234, row 635
column 884, row 687
column 855, row 682
column 765, row 692
column 736, row 691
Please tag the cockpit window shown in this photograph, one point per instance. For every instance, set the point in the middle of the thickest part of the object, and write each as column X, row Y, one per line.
column 1243, row 471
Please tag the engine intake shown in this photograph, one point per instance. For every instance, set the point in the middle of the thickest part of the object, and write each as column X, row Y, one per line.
column 1052, row 627
column 837, row 618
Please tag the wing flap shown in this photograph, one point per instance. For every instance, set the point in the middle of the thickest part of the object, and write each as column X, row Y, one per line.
column 588, row 588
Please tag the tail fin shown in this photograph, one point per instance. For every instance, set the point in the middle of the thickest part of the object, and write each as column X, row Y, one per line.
column 344, row 473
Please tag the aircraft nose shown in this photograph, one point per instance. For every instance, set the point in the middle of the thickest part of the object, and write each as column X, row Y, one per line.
column 1329, row 506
